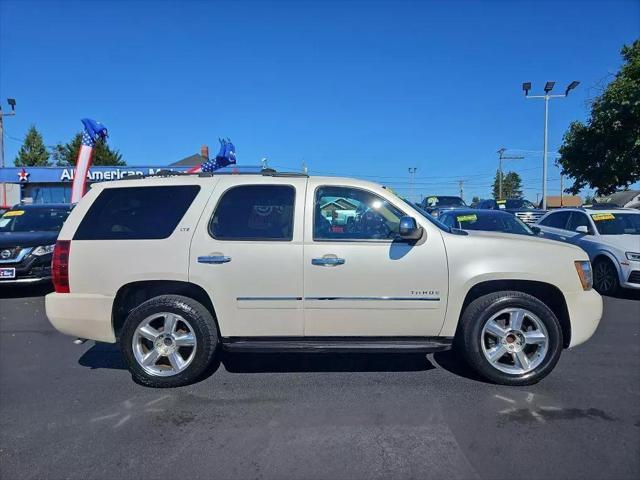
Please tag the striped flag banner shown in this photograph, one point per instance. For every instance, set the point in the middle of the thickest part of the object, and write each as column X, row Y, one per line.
column 92, row 132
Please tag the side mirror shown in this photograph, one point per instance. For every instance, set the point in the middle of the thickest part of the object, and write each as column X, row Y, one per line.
column 583, row 229
column 535, row 229
column 409, row 229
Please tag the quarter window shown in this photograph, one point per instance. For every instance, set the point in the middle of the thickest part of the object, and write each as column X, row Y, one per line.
column 136, row 213
column 342, row 213
column 255, row 212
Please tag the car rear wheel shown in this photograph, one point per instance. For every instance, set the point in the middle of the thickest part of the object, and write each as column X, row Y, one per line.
column 605, row 277
column 510, row 338
column 169, row 341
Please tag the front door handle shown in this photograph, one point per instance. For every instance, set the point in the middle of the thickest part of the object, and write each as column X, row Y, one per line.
column 327, row 261
column 214, row 259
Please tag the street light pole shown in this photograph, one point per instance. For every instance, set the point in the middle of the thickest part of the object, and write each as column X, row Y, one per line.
column 12, row 104
column 526, row 86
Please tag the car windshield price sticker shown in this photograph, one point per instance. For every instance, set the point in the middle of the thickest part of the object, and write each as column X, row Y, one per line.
column 467, row 218
column 598, row 217
column 14, row 213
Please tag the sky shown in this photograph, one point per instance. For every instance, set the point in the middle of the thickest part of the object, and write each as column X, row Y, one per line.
column 365, row 89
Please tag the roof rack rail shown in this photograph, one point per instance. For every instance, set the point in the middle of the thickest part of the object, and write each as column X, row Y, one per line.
column 249, row 170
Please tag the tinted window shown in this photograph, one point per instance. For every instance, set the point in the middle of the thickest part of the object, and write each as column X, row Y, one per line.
column 33, row 219
column 520, row 203
column 578, row 220
column 556, row 220
column 136, row 213
column 487, row 204
column 254, row 212
column 343, row 213
column 434, row 201
column 491, row 222
column 617, row 223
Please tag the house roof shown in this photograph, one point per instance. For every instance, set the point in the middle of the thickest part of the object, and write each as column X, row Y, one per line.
column 553, row 201
column 619, row 198
column 190, row 161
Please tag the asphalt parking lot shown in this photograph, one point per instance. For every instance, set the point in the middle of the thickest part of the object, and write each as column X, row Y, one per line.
column 70, row 411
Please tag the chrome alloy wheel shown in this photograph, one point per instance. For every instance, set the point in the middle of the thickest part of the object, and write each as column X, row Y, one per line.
column 164, row 344
column 514, row 341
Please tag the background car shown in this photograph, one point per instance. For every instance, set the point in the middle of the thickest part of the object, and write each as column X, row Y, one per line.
column 436, row 204
column 27, row 237
column 521, row 208
column 485, row 220
column 611, row 237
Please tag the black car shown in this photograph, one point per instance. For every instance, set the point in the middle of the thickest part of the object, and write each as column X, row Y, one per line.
column 28, row 234
column 521, row 208
column 436, row 204
column 486, row 220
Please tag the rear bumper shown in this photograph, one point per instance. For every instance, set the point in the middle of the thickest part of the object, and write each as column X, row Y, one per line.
column 81, row 315
column 585, row 312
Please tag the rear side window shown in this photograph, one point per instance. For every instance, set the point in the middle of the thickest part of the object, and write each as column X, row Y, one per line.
column 136, row 213
column 254, row 212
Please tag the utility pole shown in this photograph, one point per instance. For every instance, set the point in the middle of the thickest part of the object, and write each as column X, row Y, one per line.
column 12, row 104
column 461, row 183
column 501, row 157
column 412, row 174
column 526, row 86
column 561, row 188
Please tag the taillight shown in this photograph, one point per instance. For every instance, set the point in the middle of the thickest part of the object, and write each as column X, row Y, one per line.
column 60, row 266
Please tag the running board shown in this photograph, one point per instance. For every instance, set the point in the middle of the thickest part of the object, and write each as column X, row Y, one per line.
column 337, row 344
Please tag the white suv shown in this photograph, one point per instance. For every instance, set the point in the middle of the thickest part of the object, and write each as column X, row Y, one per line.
column 175, row 268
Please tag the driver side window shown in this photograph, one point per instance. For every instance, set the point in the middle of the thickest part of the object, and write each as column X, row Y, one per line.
column 351, row 214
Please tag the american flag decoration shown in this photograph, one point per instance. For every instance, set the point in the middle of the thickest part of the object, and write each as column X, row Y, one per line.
column 92, row 132
column 226, row 156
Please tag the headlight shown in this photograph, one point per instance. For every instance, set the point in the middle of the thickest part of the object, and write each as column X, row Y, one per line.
column 42, row 250
column 633, row 256
column 583, row 268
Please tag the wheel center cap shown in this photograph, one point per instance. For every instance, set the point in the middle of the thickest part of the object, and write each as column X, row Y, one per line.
column 165, row 345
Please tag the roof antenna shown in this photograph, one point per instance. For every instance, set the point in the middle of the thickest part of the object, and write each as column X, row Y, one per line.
column 305, row 169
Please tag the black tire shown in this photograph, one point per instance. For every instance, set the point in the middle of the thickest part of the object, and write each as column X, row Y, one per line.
column 476, row 315
column 605, row 277
column 204, row 329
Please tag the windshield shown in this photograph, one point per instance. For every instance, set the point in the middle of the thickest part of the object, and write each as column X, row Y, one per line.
column 490, row 222
column 434, row 201
column 33, row 220
column 520, row 203
column 617, row 223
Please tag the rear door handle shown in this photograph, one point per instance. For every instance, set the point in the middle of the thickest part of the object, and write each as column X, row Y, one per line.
column 214, row 259
column 327, row 261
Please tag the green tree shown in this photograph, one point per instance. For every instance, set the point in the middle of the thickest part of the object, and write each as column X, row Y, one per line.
column 604, row 154
column 67, row 154
column 475, row 199
column 511, row 185
column 32, row 153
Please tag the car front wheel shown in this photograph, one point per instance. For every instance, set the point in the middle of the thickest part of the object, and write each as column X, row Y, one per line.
column 605, row 277
column 510, row 338
column 169, row 341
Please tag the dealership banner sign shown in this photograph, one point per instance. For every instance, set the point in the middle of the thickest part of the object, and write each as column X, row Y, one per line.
column 27, row 175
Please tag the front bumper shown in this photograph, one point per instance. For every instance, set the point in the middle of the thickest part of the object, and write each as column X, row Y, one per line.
column 81, row 315
column 630, row 274
column 585, row 312
column 31, row 269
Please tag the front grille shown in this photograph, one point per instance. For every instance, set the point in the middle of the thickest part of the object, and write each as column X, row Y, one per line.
column 634, row 277
column 529, row 218
column 9, row 253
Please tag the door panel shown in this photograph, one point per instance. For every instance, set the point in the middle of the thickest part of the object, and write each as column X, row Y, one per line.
column 376, row 287
column 257, row 289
